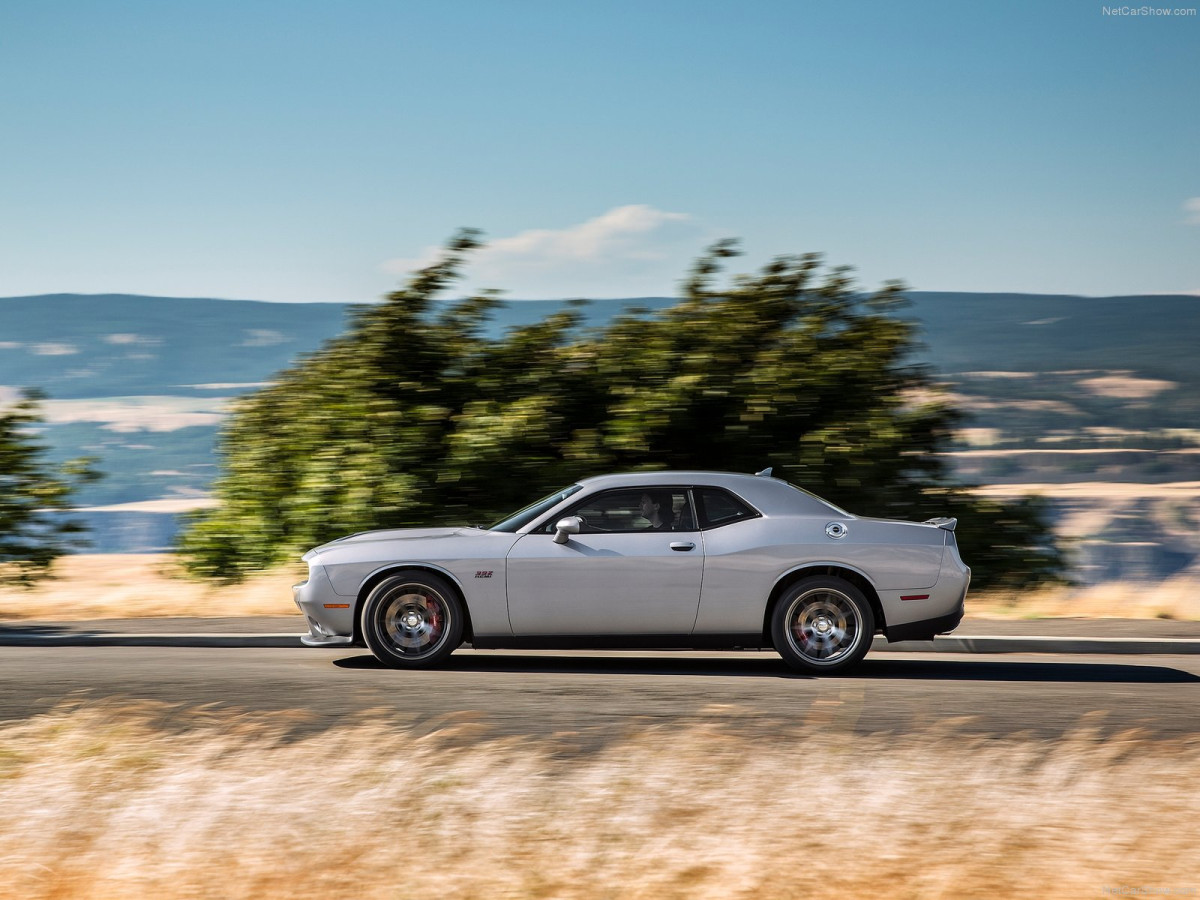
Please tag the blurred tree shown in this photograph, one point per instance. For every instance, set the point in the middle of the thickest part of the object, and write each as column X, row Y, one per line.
column 33, row 533
column 414, row 417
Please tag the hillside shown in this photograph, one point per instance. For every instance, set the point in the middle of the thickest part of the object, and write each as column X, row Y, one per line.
column 116, row 345
column 144, row 381
column 1057, row 390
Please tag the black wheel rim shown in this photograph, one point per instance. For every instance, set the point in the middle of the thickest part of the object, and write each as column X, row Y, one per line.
column 413, row 619
column 824, row 626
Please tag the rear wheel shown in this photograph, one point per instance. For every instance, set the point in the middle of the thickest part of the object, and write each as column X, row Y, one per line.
column 412, row 620
column 822, row 625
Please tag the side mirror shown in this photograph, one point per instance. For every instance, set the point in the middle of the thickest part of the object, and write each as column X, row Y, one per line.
column 564, row 528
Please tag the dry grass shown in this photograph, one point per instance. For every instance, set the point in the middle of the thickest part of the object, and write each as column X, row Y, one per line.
column 102, row 586
column 102, row 802
column 1174, row 598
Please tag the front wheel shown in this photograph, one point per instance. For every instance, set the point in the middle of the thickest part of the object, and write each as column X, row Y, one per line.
column 822, row 625
column 412, row 620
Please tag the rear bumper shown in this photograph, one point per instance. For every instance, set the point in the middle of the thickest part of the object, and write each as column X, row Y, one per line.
column 925, row 630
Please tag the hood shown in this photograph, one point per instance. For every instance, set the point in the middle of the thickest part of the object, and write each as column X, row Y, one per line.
column 400, row 534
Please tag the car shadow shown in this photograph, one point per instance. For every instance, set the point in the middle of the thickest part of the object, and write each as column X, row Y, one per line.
column 770, row 666
column 548, row 663
column 1019, row 670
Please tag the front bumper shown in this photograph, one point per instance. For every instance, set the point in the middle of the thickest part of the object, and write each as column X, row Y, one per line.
column 330, row 618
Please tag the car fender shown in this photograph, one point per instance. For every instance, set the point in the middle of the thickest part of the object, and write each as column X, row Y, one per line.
column 412, row 564
column 824, row 563
column 821, row 567
column 743, row 598
column 381, row 572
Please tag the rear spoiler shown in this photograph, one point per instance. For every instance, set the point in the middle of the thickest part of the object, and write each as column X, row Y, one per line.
column 943, row 522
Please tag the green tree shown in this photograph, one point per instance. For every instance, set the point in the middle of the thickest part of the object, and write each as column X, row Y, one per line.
column 415, row 417
column 33, row 495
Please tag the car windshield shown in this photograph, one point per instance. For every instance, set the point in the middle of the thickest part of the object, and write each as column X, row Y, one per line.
column 533, row 510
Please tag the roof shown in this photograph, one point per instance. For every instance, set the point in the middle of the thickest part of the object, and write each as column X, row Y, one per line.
column 769, row 495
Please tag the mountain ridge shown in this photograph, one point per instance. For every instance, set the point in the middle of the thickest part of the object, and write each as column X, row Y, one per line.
column 143, row 381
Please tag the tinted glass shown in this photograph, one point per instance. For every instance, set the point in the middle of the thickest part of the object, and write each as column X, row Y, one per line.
column 532, row 511
column 633, row 510
column 718, row 507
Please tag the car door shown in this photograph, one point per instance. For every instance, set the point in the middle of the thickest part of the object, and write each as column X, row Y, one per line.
column 623, row 574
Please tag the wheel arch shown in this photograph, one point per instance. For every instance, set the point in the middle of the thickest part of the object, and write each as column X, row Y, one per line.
column 837, row 570
column 390, row 569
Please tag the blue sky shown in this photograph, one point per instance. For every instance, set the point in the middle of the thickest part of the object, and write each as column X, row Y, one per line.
column 314, row 151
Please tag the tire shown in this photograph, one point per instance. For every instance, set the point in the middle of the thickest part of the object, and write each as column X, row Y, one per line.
column 822, row 625
column 412, row 620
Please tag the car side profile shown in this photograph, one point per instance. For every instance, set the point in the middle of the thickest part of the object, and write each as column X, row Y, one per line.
column 663, row 560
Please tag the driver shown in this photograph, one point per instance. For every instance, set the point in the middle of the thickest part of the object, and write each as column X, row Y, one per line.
column 656, row 506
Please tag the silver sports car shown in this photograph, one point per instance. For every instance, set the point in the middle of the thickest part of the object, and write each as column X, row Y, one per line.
column 655, row 560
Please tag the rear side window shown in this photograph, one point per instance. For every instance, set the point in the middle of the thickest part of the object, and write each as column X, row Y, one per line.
column 719, row 507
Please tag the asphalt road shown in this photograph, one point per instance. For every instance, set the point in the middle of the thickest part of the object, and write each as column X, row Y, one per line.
column 594, row 696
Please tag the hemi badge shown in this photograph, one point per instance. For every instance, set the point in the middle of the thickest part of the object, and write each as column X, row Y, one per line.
column 916, row 597
column 337, row 605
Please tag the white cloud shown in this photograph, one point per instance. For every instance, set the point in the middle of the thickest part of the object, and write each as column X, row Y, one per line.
column 52, row 349
column 132, row 414
column 628, row 251
column 167, row 505
column 121, row 339
column 10, row 345
column 612, row 234
column 228, row 385
column 264, row 337
column 1192, row 208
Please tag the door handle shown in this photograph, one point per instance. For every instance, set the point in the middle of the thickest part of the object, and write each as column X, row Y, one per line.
column 682, row 545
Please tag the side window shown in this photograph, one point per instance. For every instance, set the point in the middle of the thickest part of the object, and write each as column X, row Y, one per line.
column 634, row 510
column 719, row 507
column 685, row 513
